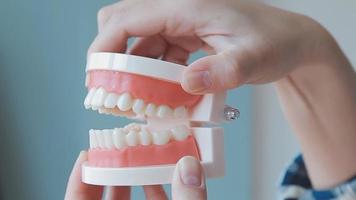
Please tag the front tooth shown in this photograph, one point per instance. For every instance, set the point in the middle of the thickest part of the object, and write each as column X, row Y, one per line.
column 108, row 139
column 180, row 112
column 119, row 137
column 131, row 138
column 150, row 109
column 111, row 100
column 92, row 139
column 125, row 102
column 164, row 111
column 180, row 132
column 99, row 98
column 161, row 137
column 145, row 137
column 100, row 138
column 89, row 97
column 138, row 106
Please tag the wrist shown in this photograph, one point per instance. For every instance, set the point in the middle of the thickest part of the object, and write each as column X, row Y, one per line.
column 319, row 101
column 319, row 48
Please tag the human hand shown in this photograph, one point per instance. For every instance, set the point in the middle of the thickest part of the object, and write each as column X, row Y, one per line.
column 251, row 43
column 247, row 42
column 188, row 183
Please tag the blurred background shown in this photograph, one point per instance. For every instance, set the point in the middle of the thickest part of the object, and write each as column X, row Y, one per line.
column 44, row 125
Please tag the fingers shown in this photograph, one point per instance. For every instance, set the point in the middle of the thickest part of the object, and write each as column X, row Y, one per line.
column 118, row 193
column 176, row 54
column 104, row 15
column 155, row 192
column 214, row 73
column 127, row 19
column 152, row 47
column 156, row 47
column 78, row 190
column 188, row 180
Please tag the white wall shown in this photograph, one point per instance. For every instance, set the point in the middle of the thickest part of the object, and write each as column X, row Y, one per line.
column 273, row 144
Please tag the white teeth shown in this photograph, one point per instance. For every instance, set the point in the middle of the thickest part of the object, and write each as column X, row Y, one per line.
column 135, row 134
column 145, row 137
column 138, row 106
column 89, row 97
column 125, row 102
column 92, row 139
column 164, row 111
column 133, row 126
column 100, row 139
column 131, row 138
column 111, row 100
column 99, row 97
column 150, row 109
column 107, row 139
column 161, row 137
column 180, row 132
column 102, row 111
column 119, row 137
column 180, row 112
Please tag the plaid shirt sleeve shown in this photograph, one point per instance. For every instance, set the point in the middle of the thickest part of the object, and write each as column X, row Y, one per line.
column 297, row 186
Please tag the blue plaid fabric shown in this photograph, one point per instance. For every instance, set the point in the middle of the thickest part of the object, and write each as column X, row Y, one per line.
column 297, row 186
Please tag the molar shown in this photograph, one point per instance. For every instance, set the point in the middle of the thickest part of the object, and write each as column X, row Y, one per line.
column 131, row 138
column 161, row 137
column 180, row 112
column 164, row 111
column 180, row 132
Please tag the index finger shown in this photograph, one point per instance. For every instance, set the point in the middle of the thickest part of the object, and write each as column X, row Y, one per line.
column 129, row 19
column 78, row 190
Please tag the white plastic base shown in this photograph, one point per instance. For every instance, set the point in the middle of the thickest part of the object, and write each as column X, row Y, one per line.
column 155, row 68
column 211, row 145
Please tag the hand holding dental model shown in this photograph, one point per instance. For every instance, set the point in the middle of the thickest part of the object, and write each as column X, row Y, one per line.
column 248, row 43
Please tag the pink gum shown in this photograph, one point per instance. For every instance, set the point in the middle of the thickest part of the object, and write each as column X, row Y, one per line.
column 144, row 155
column 149, row 89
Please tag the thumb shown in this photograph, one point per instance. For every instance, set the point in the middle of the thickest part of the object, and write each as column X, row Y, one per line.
column 213, row 73
column 188, row 180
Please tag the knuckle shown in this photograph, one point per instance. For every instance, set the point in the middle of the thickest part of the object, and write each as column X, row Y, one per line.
column 237, row 69
column 103, row 14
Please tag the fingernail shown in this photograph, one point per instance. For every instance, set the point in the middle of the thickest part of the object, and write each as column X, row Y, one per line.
column 198, row 81
column 190, row 171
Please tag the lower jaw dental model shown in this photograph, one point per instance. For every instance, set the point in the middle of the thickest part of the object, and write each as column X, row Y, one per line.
column 178, row 124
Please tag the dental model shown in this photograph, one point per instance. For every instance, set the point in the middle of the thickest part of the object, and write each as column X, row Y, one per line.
column 177, row 123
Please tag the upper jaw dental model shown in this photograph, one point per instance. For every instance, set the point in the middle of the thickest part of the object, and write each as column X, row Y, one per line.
column 177, row 123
